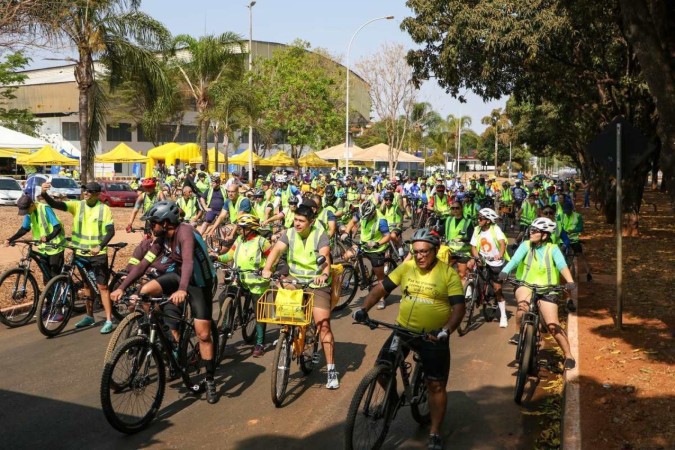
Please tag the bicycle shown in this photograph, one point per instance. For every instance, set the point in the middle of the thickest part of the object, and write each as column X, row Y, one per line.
column 376, row 400
column 529, row 340
column 237, row 309
column 356, row 275
column 139, row 363
column 478, row 293
column 298, row 339
column 19, row 290
column 507, row 217
column 57, row 302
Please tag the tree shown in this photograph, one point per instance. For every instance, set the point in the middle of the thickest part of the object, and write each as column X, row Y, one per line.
column 392, row 94
column 123, row 38
column 497, row 121
column 17, row 119
column 297, row 92
column 203, row 63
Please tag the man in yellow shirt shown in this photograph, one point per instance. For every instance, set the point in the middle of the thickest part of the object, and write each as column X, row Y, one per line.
column 433, row 302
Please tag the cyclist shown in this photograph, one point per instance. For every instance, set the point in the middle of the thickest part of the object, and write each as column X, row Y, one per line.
column 439, row 203
column 519, row 193
column 458, row 233
column 202, row 183
column 375, row 233
column 543, row 265
column 470, row 208
column 145, row 199
column 324, row 216
column 393, row 214
column 286, row 191
column 303, row 244
column 261, row 208
column 194, row 275
column 489, row 241
column 526, row 214
column 46, row 227
column 573, row 224
column 249, row 253
column 92, row 230
column 189, row 206
column 287, row 214
column 212, row 201
column 433, row 300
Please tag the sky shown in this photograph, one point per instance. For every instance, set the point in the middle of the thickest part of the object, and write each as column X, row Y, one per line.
column 328, row 24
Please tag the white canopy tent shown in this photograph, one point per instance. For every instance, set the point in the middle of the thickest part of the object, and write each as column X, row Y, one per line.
column 10, row 139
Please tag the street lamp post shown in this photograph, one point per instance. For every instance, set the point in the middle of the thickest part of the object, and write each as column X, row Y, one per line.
column 250, row 65
column 496, row 146
column 349, row 47
column 509, row 160
column 459, row 142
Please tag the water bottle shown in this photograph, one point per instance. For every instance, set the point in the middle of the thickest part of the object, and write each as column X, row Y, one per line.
column 393, row 348
column 400, row 252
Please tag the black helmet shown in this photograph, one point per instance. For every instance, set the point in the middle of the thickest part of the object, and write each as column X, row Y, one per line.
column 471, row 195
column 426, row 235
column 330, row 191
column 163, row 210
column 388, row 196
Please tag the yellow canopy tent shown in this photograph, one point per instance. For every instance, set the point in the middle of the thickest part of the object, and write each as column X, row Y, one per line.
column 280, row 159
column 242, row 158
column 121, row 154
column 311, row 160
column 158, row 154
column 47, row 156
column 13, row 152
column 183, row 153
column 212, row 159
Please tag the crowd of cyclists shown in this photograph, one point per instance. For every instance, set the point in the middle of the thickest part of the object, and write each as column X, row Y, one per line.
column 194, row 220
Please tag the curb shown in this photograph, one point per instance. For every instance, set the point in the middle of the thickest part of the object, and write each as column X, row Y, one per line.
column 571, row 421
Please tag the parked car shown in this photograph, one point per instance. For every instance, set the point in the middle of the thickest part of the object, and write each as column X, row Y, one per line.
column 62, row 187
column 115, row 193
column 10, row 191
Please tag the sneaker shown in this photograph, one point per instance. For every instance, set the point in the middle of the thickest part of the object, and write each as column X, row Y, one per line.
column 381, row 304
column 589, row 277
column 107, row 327
column 570, row 306
column 211, row 394
column 570, row 363
column 515, row 339
column 503, row 322
column 258, row 351
column 87, row 321
column 435, row 442
column 333, row 382
column 56, row 318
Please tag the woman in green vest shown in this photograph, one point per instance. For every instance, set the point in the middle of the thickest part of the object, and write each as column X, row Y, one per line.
column 259, row 207
column 458, row 232
column 249, row 252
column 544, row 263
column 526, row 214
column 393, row 214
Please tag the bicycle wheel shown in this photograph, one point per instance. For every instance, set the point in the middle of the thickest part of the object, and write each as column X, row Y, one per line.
column 18, row 297
column 129, row 327
column 348, row 287
column 371, row 410
column 470, row 297
column 306, row 359
column 490, row 309
column 129, row 406
column 224, row 326
column 524, row 360
column 79, row 304
column 55, row 306
column 248, row 321
column 190, row 357
column 419, row 404
column 281, row 367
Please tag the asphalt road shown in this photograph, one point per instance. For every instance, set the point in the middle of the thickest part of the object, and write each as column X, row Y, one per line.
column 49, row 396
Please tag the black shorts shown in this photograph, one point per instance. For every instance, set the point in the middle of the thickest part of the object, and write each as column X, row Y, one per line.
column 99, row 265
column 494, row 273
column 434, row 356
column 211, row 216
column 376, row 258
column 53, row 262
column 577, row 248
column 200, row 298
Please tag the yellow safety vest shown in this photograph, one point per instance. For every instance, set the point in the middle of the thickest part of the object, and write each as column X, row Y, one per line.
column 189, row 207
column 234, row 209
column 370, row 231
column 248, row 256
column 441, row 205
column 302, row 254
column 89, row 233
column 40, row 226
column 544, row 272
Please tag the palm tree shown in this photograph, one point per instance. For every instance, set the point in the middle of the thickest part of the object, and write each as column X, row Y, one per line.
column 208, row 61
column 496, row 120
column 121, row 37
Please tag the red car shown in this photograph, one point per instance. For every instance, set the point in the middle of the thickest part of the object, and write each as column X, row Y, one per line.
column 116, row 193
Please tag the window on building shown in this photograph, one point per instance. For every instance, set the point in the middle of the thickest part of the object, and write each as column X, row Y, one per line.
column 120, row 132
column 187, row 133
column 70, row 131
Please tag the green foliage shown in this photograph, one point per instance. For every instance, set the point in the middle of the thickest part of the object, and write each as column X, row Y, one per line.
column 17, row 119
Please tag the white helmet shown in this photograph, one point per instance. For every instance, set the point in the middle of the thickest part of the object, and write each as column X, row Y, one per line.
column 489, row 214
column 544, row 224
column 281, row 179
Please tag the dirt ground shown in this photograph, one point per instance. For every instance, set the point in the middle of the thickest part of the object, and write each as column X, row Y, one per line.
column 628, row 377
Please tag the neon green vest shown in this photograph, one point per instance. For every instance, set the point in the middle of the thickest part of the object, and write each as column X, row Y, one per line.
column 289, row 216
column 392, row 215
column 89, row 234
column 234, row 209
column 441, row 205
column 148, row 201
column 452, row 231
column 470, row 211
column 285, row 195
column 569, row 223
column 529, row 213
column 370, row 231
column 259, row 210
column 210, row 194
column 189, row 207
column 41, row 227
column 248, row 256
column 544, row 272
column 507, row 196
column 302, row 254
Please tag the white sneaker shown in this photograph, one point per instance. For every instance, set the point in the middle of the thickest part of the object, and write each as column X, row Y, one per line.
column 333, row 382
column 381, row 304
column 503, row 322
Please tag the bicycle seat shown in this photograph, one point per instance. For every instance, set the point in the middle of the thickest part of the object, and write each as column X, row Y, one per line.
column 118, row 245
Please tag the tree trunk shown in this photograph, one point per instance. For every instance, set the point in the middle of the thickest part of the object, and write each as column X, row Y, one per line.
column 203, row 140
column 226, row 144
column 85, row 79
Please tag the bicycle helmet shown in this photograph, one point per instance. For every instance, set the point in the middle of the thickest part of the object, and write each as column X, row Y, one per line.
column 259, row 193
column 388, row 196
column 149, row 183
column 281, row 179
column 426, row 235
column 163, row 210
column 330, row 191
column 389, row 187
column 518, row 182
column 215, row 176
column 544, row 225
column 248, row 221
column 470, row 195
column 366, row 209
column 506, row 184
column 489, row 214
column 293, row 200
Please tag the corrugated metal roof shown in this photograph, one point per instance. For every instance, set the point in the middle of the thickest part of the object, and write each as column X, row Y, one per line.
column 47, row 98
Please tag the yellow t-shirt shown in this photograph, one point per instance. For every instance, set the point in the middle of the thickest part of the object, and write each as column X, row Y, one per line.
column 424, row 302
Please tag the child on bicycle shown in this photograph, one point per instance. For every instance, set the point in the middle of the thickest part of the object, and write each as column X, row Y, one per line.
column 544, row 263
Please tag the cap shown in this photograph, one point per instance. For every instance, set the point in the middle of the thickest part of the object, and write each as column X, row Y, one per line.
column 92, row 187
column 24, row 203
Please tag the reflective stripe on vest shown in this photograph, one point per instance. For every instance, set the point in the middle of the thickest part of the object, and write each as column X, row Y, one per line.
column 371, row 232
column 210, row 194
column 248, row 256
column 302, row 256
column 234, row 210
column 41, row 227
column 83, row 233
column 529, row 213
column 189, row 207
column 542, row 273
column 452, row 231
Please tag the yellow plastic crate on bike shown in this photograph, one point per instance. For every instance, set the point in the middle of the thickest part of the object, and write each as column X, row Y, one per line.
column 336, row 271
column 285, row 307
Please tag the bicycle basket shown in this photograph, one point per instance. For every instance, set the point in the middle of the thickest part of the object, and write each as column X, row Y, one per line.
column 285, row 307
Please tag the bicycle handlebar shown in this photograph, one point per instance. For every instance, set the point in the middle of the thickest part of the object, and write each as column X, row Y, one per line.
column 538, row 287
column 373, row 324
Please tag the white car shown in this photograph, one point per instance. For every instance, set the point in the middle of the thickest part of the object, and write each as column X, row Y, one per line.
column 62, row 187
column 10, row 191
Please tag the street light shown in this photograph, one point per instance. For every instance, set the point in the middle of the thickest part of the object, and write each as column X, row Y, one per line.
column 250, row 65
column 349, row 47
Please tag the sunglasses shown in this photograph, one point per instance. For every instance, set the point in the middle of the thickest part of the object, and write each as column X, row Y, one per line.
column 534, row 231
column 89, row 191
column 549, row 213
